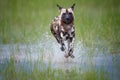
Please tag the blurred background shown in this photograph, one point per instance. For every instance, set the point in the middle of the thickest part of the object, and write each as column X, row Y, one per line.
column 25, row 31
column 26, row 21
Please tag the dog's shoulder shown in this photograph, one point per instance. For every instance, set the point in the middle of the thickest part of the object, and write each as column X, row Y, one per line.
column 55, row 21
column 56, row 18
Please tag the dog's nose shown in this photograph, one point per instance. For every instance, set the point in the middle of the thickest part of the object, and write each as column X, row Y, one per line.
column 67, row 18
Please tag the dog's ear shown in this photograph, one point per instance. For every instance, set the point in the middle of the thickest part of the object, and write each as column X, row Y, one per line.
column 72, row 7
column 59, row 7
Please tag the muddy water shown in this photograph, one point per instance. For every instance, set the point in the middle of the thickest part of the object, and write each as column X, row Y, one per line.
column 48, row 51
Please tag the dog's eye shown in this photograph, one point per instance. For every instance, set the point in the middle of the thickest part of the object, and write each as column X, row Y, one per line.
column 63, row 13
column 70, row 13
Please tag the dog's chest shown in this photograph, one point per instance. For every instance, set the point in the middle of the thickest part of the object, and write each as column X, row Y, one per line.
column 67, row 32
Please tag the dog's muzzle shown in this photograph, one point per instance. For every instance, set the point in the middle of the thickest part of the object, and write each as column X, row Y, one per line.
column 67, row 18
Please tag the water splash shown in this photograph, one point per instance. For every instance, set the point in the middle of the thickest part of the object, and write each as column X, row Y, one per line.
column 47, row 50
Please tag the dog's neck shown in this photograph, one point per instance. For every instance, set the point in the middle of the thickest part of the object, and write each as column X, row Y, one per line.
column 67, row 27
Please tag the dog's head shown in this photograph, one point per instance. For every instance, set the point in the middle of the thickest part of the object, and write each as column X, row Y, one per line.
column 66, row 15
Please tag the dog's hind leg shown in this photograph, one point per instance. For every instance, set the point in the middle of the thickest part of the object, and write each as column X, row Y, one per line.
column 54, row 30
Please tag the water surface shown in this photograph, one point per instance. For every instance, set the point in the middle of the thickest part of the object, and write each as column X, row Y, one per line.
column 47, row 51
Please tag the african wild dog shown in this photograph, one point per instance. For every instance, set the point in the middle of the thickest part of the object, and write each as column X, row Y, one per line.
column 62, row 28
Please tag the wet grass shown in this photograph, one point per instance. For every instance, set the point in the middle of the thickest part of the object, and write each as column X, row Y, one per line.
column 97, row 24
column 12, row 71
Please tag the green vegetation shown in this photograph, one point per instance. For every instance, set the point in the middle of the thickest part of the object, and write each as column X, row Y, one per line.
column 26, row 21
column 23, row 21
column 97, row 24
column 11, row 72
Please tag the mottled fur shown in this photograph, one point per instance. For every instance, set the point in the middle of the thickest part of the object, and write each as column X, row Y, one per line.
column 62, row 28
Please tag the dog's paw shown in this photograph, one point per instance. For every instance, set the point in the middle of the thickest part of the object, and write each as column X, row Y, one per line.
column 72, row 56
column 62, row 49
column 66, row 55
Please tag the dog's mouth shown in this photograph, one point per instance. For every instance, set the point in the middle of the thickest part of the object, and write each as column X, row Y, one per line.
column 67, row 21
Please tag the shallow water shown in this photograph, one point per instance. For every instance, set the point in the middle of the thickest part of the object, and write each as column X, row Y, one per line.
column 48, row 52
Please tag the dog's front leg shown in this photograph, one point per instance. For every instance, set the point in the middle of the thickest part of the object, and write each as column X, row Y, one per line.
column 71, row 43
column 62, row 42
column 62, row 45
column 71, row 47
